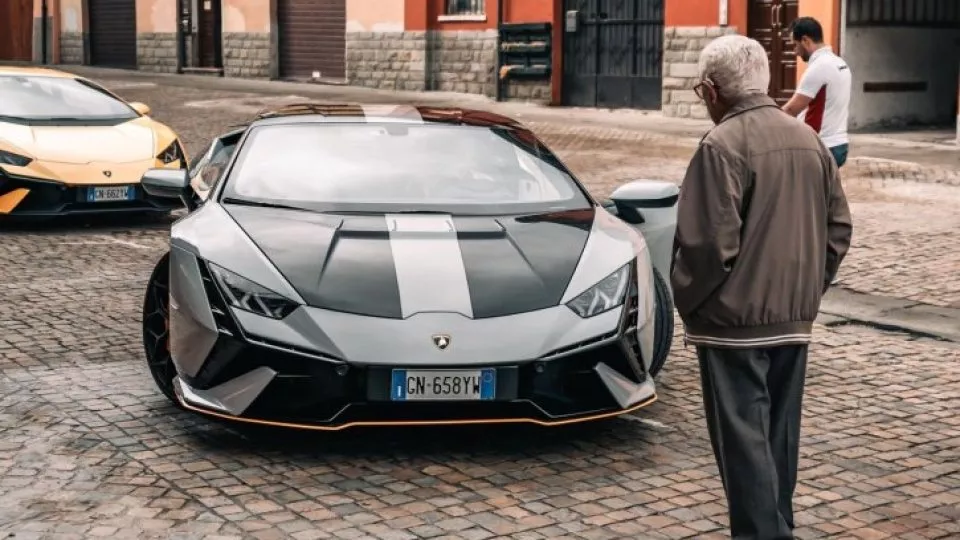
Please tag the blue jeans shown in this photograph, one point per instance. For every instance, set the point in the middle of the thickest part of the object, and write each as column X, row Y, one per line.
column 840, row 154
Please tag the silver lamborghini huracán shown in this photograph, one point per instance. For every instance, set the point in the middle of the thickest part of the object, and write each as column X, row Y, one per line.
column 374, row 265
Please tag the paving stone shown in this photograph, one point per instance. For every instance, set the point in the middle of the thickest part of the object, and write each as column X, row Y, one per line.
column 90, row 448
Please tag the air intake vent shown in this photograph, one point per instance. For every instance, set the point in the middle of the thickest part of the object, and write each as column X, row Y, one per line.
column 221, row 313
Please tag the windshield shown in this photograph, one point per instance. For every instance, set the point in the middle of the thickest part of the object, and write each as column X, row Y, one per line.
column 38, row 98
column 401, row 167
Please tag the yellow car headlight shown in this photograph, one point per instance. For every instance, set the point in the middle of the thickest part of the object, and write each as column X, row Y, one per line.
column 172, row 153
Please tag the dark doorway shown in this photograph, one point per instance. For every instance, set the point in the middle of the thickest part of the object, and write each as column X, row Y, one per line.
column 113, row 33
column 312, row 39
column 209, row 41
column 613, row 53
column 769, row 23
column 16, row 39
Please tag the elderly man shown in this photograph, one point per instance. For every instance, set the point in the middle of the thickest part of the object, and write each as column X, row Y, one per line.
column 762, row 228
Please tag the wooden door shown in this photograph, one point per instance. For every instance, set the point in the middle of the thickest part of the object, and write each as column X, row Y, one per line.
column 769, row 23
column 312, row 38
column 208, row 33
column 16, row 38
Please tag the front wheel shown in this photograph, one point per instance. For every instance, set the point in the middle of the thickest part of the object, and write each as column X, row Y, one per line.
column 663, row 325
column 156, row 328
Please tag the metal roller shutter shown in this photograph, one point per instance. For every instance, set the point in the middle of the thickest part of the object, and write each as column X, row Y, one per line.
column 113, row 33
column 312, row 38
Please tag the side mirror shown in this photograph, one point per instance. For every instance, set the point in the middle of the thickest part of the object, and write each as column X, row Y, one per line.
column 639, row 197
column 141, row 108
column 168, row 184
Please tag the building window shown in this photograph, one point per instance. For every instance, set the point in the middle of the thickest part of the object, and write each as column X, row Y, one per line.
column 465, row 7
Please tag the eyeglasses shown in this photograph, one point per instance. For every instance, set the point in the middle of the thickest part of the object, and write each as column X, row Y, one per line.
column 699, row 88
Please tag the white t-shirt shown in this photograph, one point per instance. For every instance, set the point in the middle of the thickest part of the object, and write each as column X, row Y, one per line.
column 827, row 81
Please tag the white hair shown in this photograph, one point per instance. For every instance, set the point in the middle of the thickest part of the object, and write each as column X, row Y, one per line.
column 737, row 65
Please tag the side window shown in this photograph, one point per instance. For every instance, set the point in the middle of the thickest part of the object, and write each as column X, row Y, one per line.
column 206, row 172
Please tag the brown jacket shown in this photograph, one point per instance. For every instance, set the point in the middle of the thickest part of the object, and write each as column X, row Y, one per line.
column 762, row 227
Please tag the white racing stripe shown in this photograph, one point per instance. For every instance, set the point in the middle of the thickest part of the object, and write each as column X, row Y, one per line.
column 430, row 271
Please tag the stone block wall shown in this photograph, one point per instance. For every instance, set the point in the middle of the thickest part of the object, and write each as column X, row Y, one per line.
column 157, row 52
column 387, row 60
column 71, row 48
column 535, row 91
column 682, row 46
column 246, row 54
column 449, row 61
column 462, row 61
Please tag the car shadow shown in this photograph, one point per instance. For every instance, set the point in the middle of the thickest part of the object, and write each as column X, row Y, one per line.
column 99, row 223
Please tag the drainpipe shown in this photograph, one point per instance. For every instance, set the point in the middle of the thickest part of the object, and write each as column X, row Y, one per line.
column 496, row 72
column 43, row 31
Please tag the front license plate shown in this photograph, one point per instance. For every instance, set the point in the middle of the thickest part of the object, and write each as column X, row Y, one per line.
column 443, row 385
column 110, row 193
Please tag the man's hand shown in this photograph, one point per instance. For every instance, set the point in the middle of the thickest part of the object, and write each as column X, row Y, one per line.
column 797, row 104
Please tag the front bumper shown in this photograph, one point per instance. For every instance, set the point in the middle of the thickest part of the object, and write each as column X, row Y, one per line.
column 249, row 379
column 31, row 197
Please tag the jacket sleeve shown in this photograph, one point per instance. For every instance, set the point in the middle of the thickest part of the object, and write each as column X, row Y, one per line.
column 707, row 239
column 839, row 223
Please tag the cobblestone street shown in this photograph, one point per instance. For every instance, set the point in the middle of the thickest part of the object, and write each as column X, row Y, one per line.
column 89, row 448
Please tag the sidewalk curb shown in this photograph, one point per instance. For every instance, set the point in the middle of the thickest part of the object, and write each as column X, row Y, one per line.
column 841, row 305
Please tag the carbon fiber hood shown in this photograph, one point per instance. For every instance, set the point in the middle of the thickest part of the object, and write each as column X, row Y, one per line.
column 395, row 266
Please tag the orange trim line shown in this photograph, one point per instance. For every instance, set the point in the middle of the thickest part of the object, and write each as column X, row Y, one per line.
column 310, row 427
column 9, row 201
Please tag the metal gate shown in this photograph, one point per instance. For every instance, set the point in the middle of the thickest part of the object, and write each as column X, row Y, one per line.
column 113, row 33
column 613, row 53
column 312, row 40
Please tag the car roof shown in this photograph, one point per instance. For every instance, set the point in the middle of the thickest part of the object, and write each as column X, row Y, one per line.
column 381, row 113
column 36, row 71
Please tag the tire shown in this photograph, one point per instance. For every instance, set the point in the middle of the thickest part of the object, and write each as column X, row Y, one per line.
column 156, row 324
column 663, row 325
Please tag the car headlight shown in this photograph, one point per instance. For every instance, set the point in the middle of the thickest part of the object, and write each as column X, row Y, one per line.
column 604, row 296
column 9, row 158
column 244, row 294
column 171, row 153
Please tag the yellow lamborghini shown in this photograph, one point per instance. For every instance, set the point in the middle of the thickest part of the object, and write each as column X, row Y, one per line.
column 69, row 146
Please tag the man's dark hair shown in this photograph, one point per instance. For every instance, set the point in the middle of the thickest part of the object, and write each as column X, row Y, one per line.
column 809, row 27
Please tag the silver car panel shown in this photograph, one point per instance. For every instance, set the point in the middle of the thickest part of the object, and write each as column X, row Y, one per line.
column 193, row 331
column 213, row 235
column 231, row 397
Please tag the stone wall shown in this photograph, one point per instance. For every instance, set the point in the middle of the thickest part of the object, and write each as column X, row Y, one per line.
column 535, row 91
column 387, row 60
column 157, row 52
column 682, row 46
column 71, row 48
column 246, row 54
column 462, row 61
column 449, row 61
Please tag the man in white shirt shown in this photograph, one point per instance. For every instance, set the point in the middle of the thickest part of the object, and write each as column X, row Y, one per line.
column 822, row 99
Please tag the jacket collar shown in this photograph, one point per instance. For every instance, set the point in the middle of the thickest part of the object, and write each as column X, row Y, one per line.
column 749, row 103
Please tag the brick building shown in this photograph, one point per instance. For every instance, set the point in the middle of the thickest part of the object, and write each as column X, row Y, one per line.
column 905, row 54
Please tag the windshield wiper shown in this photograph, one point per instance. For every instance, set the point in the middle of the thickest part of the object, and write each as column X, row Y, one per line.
column 261, row 204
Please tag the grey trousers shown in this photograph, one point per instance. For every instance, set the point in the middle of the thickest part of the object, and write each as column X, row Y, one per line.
column 752, row 399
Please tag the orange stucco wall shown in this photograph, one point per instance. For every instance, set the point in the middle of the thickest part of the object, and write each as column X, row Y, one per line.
column 375, row 15
column 246, row 15
column 156, row 16
column 71, row 15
